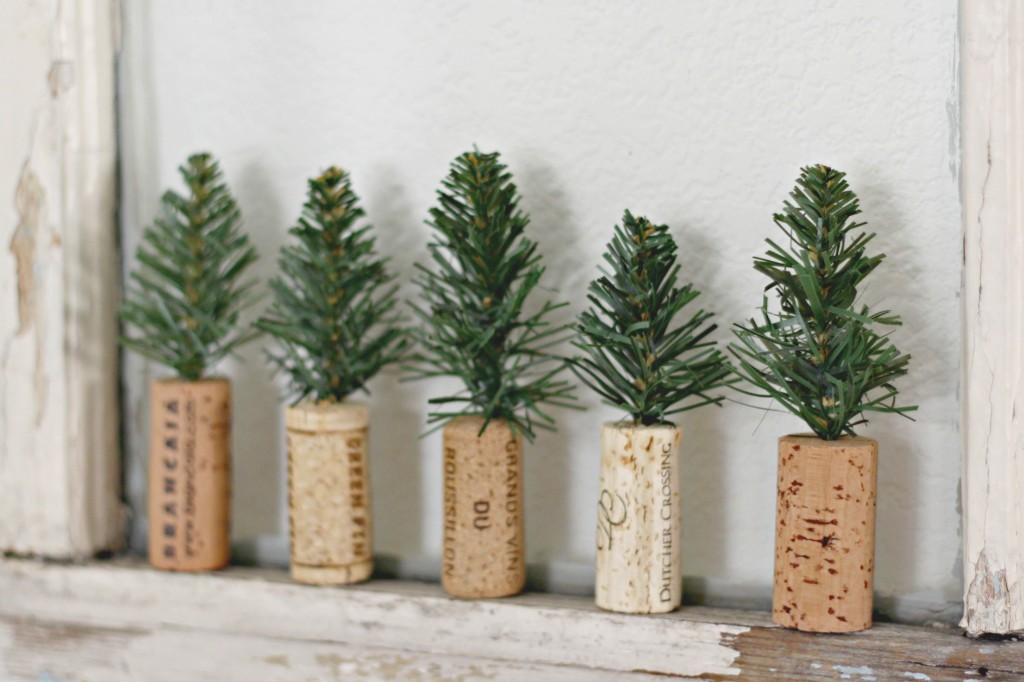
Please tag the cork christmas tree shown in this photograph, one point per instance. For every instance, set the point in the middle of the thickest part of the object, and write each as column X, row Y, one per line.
column 334, row 319
column 182, row 309
column 647, row 353
column 476, row 327
column 819, row 352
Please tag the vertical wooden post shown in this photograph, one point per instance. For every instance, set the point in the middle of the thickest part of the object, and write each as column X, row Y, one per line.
column 992, row 81
column 59, row 454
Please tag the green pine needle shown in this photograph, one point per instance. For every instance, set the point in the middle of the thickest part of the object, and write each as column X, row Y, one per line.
column 334, row 308
column 482, row 272
column 635, row 358
column 820, row 355
column 185, row 297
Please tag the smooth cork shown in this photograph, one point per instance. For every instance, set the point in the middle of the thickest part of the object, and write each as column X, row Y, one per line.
column 484, row 553
column 639, row 560
column 329, row 493
column 825, row 533
column 190, row 475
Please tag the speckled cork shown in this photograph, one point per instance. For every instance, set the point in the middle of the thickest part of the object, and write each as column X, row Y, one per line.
column 329, row 493
column 484, row 553
column 639, row 561
column 190, row 475
column 825, row 533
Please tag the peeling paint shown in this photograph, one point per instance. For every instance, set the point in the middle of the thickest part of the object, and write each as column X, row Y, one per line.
column 29, row 235
column 916, row 676
column 986, row 593
column 278, row 660
column 61, row 77
column 29, row 199
column 846, row 672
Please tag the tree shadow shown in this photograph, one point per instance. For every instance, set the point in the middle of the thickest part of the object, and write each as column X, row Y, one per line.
column 259, row 476
column 549, row 474
column 398, row 409
column 703, row 471
column 904, row 468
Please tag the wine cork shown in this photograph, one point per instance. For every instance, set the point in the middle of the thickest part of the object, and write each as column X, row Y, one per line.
column 190, row 475
column 825, row 533
column 484, row 554
column 639, row 559
column 329, row 493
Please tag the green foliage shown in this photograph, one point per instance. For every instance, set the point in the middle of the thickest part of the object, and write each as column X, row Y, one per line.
column 820, row 355
column 635, row 359
column 473, row 323
column 333, row 312
column 185, row 297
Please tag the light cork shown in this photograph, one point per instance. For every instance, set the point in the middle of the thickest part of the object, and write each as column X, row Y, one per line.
column 329, row 493
column 484, row 554
column 825, row 533
column 639, row 561
column 190, row 475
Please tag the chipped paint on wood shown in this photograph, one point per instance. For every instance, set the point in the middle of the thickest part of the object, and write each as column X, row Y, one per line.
column 30, row 200
column 992, row 38
column 59, row 461
column 548, row 632
column 122, row 622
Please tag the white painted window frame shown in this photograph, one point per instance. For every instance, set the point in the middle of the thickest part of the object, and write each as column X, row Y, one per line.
column 992, row 144
column 60, row 468
column 59, row 490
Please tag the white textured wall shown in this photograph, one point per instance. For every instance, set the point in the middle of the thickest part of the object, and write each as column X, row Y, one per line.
column 697, row 114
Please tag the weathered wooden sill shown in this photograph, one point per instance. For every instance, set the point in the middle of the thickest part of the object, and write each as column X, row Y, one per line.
column 113, row 621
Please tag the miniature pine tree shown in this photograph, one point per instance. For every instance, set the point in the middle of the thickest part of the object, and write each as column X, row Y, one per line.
column 637, row 357
column 333, row 312
column 474, row 326
column 821, row 354
column 186, row 296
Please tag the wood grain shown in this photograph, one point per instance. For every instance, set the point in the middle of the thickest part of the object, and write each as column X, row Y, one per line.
column 639, row 561
column 825, row 533
column 60, row 460
column 119, row 621
column 484, row 551
column 329, row 493
column 992, row 393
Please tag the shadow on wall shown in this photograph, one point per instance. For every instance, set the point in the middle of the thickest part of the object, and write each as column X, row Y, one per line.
column 702, row 464
column 547, row 460
column 398, row 411
column 258, row 460
column 900, row 457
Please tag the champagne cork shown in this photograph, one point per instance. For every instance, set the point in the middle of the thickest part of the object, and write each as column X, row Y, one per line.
column 484, row 554
column 329, row 493
column 190, row 475
column 639, row 559
column 825, row 533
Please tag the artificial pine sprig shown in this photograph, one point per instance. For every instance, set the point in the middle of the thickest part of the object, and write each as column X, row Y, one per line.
column 334, row 309
column 636, row 358
column 819, row 354
column 473, row 323
column 186, row 296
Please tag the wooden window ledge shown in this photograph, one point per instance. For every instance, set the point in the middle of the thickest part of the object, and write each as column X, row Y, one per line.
column 119, row 620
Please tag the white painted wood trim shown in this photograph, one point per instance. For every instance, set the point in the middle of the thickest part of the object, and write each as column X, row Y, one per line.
column 260, row 605
column 992, row 58
column 59, row 459
column 122, row 621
